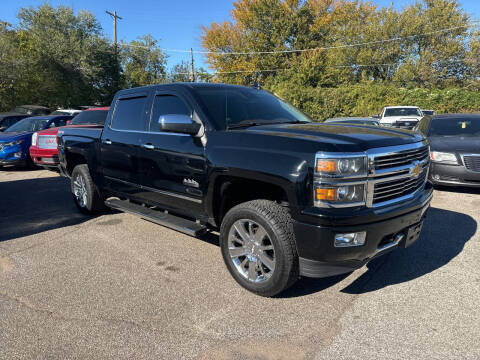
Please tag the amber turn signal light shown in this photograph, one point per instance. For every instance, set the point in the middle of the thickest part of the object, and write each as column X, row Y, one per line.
column 326, row 194
column 326, row 166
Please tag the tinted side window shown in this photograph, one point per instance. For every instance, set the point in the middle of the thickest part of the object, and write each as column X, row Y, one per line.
column 58, row 122
column 129, row 114
column 165, row 105
column 9, row 122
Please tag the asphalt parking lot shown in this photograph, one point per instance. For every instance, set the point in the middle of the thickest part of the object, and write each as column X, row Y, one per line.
column 118, row 287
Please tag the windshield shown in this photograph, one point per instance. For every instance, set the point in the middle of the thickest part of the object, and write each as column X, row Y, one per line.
column 28, row 125
column 90, row 117
column 228, row 107
column 428, row 112
column 455, row 127
column 23, row 110
column 402, row 112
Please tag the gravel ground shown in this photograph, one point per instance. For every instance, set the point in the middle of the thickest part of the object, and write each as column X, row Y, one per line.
column 118, row 287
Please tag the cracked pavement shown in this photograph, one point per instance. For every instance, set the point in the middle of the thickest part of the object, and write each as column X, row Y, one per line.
column 118, row 287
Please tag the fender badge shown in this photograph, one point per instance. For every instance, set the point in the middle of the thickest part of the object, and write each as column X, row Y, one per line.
column 190, row 182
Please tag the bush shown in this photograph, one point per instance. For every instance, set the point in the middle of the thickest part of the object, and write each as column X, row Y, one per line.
column 367, row 99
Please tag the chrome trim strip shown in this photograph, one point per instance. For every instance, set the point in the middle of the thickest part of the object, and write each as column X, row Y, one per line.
column 393, row 244
column 168, row 193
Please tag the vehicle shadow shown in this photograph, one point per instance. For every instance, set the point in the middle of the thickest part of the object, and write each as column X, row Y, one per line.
column 33, row 206
column 443, row 237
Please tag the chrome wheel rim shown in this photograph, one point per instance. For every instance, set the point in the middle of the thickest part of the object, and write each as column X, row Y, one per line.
column 251, row 250
column 80, row 190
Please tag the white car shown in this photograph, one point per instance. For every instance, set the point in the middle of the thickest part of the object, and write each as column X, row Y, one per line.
column 66, row 112
column 405, row 117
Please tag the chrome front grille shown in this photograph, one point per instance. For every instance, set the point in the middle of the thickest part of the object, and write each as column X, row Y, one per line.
column 472, row 162
column 396, row 173
column 47, row 141
column 401, row 158
column 392, row 189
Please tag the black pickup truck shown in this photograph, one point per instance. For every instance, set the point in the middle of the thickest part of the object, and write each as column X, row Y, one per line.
column 288, row 196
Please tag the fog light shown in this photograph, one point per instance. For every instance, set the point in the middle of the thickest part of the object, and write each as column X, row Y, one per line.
column 17, row 155
column 436, row 177
column 350, row 239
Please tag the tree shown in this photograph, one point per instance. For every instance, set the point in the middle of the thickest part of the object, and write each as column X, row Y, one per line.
column 143, row 62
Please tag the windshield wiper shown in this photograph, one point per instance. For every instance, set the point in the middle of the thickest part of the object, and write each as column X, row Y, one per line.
column 244, row 124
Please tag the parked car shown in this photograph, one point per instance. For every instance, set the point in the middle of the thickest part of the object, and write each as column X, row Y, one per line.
column 44, row 150
column 406, row 117
column 72, row 112
column 428, row 112
column 7, row 119
column 288, row 196
column 15, row 141
column 455, row 148
column 354, row 121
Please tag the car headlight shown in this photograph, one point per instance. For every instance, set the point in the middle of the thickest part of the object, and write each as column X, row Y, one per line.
column 13, row 143
column 34, row 139
column 339, row 194
column 351, row 166
column 444, row 157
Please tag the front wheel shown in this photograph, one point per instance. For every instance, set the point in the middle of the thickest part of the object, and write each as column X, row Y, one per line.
column 84, row 191
column 258, row 247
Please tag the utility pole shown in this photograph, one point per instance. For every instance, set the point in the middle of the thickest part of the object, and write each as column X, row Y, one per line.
column 115, row 17
column 192, row 73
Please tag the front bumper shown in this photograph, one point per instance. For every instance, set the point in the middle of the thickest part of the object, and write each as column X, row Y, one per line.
column 44, row 157
column 12, row 155
column 319, row 257
column 453, row 175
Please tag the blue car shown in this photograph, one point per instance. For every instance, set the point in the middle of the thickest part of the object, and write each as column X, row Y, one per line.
column 15, row 141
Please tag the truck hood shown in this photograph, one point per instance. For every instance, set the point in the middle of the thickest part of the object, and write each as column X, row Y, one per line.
column 341, row 137
column 7, row 137
column 465, row 144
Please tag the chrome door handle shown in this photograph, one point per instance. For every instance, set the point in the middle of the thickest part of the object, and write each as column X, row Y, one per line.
column 108, row 142
column 148, row 146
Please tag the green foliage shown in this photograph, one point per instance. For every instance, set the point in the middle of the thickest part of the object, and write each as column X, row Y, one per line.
column 369, row 99
column 144, row 62
column 57, row 58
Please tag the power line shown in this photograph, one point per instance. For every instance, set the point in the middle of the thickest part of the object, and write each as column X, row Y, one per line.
column 398, row 38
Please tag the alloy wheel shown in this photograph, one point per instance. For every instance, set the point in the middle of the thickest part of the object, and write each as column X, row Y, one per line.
column 251, row 250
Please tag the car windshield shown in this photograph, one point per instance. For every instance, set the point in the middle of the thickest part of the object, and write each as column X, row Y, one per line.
column 428, row 112
column 22, row 110
column 230, row 107
column 402, row 112
column 455, row 127
column 90, row 117
column 28, row 125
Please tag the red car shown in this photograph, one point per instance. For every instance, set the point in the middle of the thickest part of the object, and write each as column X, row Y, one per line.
column 44, row 150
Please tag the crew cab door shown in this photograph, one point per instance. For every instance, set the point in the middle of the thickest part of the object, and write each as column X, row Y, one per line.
column 173, row 167
column 120, row 142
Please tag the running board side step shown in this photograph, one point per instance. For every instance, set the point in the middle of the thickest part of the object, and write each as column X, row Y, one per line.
column 159, row 217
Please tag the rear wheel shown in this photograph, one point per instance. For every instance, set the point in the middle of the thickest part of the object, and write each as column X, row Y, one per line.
column 258, row 247
column 85, row 194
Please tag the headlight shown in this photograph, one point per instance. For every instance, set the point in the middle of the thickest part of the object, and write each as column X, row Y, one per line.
column 339, row 194
column 444, row 157
column 351, row 166
column 34, row 139
column 13, row 143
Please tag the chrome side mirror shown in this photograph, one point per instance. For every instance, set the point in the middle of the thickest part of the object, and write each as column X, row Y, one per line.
column 182, row 124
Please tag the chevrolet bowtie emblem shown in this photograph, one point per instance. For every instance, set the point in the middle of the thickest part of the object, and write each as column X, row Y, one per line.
column 417, row 170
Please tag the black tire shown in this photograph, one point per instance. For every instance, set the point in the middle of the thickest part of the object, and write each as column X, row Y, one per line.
column 92, row 202
column 277, row 223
